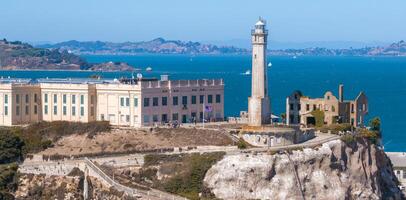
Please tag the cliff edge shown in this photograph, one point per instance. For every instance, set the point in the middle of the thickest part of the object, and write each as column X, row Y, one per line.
column 336, row 170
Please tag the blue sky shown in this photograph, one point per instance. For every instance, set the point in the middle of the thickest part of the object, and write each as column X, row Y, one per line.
column 205, row 20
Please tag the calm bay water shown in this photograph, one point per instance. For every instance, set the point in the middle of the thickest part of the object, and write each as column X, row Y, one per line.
column 383, row 79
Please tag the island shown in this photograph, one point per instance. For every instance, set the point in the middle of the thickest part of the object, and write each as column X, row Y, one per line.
column 22, row 56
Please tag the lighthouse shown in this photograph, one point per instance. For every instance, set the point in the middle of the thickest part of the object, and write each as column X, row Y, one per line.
column 259, row 106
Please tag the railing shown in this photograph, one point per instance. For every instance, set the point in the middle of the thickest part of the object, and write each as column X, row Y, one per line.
column 130, row 191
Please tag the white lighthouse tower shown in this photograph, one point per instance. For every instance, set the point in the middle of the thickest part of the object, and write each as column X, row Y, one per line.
column 259, row 107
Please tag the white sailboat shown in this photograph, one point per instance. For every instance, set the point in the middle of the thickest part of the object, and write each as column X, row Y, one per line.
column 248, row 72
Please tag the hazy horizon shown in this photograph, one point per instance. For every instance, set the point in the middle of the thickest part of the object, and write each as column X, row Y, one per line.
column 292, row 21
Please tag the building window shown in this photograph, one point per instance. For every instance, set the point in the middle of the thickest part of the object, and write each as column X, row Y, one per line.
column 352, row 108
column 184, row 100
column 218, row 98
column 175, row 101
column 64, row 110
column 146, row 102
column 193, row 99
column 27, row 110
column 127, row 118
column 82, row 111
column 102, row 117
column 155, row 101
column 299, row 106
column 55, row 110
column 17, row 98
column 127, row 101
column 6, row 110
column 17, row 110
column 135, row 102
column 73, row 110
column 92, row 111
column 5, row 99
column 122, row 101
column 307, row 107
column 291, row 106
column 210, row 98
column 82, row 99
column 155, row 118
column 35, row 109
column 55, row 98
column 64, row 99
column 27, row 98
column 164, row 118
column 164, row 101
column 35, row 98
column 175, row 117
column 146, row 118
column 46, row 109
column 314, row 107
column 73, row 99
column 46, row 98
column 201, row 98
column 92, row 99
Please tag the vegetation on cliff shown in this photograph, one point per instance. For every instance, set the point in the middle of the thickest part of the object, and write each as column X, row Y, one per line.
column 180, row 174
column 17, row 142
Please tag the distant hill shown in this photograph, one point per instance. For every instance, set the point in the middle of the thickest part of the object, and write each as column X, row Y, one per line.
column 163, row 46
column 158, row 45
column 395, row 49
column 22, row 56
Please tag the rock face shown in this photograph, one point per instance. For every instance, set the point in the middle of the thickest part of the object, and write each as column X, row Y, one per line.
column 334, row 171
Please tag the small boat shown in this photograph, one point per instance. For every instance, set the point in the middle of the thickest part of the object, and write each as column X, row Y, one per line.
column 294, row 57
column 248, row 72
column 148, row 69
column 269, row 64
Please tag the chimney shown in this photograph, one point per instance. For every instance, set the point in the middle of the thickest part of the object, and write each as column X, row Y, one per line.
column 341, row 93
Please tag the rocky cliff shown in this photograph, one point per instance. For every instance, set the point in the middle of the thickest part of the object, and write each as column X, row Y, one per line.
column 336, row 170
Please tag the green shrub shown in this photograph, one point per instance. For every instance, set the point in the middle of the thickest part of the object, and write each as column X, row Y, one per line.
column 10, row 147
column 242, row 144
column 372, row 136
column 348, row 139
column 319, row 117
column 8, row 179
column 336, row 128
column 189, row 182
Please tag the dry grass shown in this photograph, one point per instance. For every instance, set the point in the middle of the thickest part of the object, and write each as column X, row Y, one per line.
column 119, row 140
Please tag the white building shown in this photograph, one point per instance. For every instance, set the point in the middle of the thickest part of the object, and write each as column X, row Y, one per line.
column 127, row 102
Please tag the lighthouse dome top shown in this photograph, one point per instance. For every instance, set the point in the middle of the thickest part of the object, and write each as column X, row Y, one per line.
column 260, row 23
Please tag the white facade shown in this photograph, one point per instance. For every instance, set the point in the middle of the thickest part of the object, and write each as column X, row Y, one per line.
column 134, row 103
column 259, row 108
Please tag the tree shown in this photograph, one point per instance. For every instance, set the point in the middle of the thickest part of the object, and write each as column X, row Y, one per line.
column 10, row 147
column 319, row 117
column 375, row 124
column 283, row 116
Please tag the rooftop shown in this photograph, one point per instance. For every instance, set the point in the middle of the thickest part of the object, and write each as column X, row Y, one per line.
column 398, row 158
